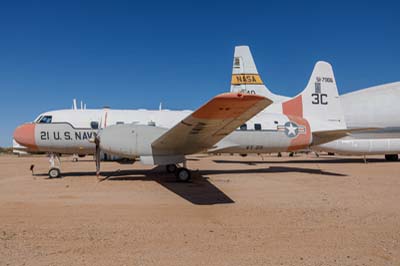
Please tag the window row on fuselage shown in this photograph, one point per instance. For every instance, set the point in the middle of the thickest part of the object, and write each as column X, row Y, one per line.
column 256, row 126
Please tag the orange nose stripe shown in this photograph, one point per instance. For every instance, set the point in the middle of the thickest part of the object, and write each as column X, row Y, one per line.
column 25, row 135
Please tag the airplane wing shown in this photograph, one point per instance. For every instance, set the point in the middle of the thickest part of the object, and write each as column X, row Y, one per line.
column 209, row 124
column 320, row 137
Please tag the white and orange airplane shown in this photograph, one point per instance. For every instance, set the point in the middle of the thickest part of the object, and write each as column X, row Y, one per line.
column 374, row 107
column 181, row 133
column 228, row 123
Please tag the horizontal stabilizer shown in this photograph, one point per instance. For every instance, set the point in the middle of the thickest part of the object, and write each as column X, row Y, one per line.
column 321, row 137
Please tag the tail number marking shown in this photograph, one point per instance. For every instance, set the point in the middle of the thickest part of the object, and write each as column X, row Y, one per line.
column 319, row 98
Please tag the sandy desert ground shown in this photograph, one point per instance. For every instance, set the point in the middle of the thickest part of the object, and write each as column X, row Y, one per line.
column 236, row 211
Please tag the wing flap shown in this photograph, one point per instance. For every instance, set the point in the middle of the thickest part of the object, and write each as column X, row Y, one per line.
column 210, row 123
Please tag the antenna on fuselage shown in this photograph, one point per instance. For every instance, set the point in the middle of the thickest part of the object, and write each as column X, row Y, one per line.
column 160, row 106
column 74, row 104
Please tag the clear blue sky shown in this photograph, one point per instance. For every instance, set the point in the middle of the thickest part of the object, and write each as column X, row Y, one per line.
column 134, row 54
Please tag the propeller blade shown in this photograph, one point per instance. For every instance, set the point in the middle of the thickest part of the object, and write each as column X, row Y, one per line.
column 97, row 158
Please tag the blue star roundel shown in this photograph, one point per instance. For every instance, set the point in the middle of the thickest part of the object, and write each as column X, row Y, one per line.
column 291, row 129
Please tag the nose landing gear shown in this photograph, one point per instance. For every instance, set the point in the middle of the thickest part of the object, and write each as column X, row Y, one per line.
column 54, row 171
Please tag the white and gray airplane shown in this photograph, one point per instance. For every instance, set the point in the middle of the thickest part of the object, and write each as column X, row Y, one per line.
column 374, row 107
column 165, row 137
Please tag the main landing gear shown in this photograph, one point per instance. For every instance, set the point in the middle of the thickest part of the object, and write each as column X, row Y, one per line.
column 391, row 157
column 54, row 171
column 171, row 168
column 182, row 174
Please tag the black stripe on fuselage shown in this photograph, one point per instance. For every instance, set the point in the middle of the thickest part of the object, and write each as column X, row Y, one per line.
column 262, row 130
column 66, row 123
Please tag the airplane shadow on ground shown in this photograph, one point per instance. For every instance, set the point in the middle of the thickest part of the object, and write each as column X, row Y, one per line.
column 321, row 160
column 272, row 169
column 200, row 191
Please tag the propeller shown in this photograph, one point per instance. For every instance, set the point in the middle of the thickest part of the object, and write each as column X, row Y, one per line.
column 97, row 155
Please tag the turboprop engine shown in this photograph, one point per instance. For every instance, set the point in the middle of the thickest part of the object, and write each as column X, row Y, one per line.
column 113, row 139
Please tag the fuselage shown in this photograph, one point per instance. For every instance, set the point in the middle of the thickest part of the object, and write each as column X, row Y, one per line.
column 375, row 107
column 73, row 131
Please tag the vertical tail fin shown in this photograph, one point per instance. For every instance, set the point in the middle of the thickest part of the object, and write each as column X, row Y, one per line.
column 245, row 77
column 319, row 103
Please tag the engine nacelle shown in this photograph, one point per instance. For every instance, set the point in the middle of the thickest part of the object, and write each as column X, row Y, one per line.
column 129, row 140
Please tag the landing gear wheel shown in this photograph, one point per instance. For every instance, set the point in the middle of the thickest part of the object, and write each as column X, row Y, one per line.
column 391, row 157
column 183, row 175
column 54, row 173
column 171, row 168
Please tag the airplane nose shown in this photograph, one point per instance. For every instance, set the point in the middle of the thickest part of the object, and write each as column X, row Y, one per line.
column 25, row 135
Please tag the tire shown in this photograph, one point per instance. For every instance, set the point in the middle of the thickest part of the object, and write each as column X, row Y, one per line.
column 391, row 157
column 183, row 175
column 54, row 173
column 171, row 168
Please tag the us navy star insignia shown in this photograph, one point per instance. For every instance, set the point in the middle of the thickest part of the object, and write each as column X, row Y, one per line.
column 291, row 129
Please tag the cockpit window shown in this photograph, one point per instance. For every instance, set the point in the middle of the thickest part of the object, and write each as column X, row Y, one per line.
column 38, row 119
column 46, row 119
